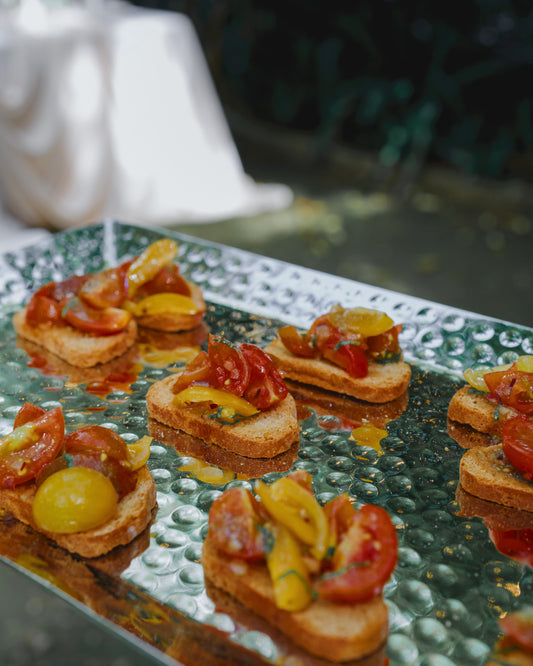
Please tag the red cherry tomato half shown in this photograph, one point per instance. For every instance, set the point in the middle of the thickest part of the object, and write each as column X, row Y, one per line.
column 295, row 342
column 230, row 369
column 27, row 413
column 99, row 439
column 23, row 465
column 265, row 386
column 517, row 544
column 106, row 289
column 350, row 356
column 340, row 513
column 43, row 307
column 167, row 280
column 234, row 521
column 363, row 560
column 513, row 388
column 517, row 445
column 97, row 322
column 518, row 626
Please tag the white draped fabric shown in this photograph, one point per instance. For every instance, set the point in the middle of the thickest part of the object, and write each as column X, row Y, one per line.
column 111, row 112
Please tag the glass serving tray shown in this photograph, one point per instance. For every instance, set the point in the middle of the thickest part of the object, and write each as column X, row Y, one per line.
column 451, row 584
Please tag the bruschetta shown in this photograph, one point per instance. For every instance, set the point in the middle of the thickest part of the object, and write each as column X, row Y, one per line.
column 86, row 490
column 315, row 573
column 90, row 319
column 231, row 396
column 354, row 351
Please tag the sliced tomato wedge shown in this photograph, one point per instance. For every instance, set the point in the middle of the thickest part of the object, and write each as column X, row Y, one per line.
column 295, row 342
column 230, row 369
column 167, row 280
column 364, row 559
column 386, row 345
column 107, row 288
column 27, row 413
column 24, row 464
column 43, row 306
column 266, row 386
column 350, row 356
column 517, row 445
column 234, row 522
column 96, row 322
column 98, row 439
column 340, row 513
column 197, row 371
column 513, row 388
column 518, row 627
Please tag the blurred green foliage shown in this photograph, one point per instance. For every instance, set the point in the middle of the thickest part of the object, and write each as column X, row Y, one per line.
column 415, row 82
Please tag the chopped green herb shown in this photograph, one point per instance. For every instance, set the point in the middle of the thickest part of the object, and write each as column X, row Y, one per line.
column 497, row 413
column 389, row 357
column 341, row 343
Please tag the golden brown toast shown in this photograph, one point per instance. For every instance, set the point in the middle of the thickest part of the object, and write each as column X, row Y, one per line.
column 134, row 513
column 264, row 435
column 485, row 473
column 73, row 346
column 336, row 632
column 384, row 382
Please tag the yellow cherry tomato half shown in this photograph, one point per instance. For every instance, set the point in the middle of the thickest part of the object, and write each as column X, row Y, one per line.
column 364, row 321
column 163, row 303
column 74, row 499
column 148, row 264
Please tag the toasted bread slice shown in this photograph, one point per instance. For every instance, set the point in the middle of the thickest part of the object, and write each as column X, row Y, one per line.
column 470, row 407
column 485, row 473
column 467, row 437
column 172, row 322
column 76, row 347
column 212, row 454
column 264, row 435
column 134, row 513
column 337, row 632
column 384, row 382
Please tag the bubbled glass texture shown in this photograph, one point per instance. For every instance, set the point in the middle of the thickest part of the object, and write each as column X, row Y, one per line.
column 451, row 584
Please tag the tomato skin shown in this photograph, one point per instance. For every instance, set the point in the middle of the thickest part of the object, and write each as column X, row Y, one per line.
column 98, row 439
column 265, row 386
column 107, row 288
column 27, row 413
column 517, row 544
column 197, row 371
column 107, row 321
column 230, row 369
column 349, row 356
column 387, row 343
column 340, row 513
column 234, row 522
column 517, row 445
column 363, row 560
column 295, row 342
column 21, row 466
column 167, row 280
column 43, row 306
column 513, row 388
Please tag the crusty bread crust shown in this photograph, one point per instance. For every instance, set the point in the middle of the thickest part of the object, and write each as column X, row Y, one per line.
column 384, row 382
column 134, row 513
column 76, row 347
column 338, row 632
column 472, row 408
column 467, row 437
column 253, row 468
column 484, row 472
column 265, row 435
column 172, row 322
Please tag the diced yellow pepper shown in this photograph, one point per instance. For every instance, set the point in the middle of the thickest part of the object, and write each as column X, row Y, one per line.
column 525, row 363
column 298, row 510
column 232, row 405
column 163, row 303
column 150, row 262
column 18, row 439
column 289, row 575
